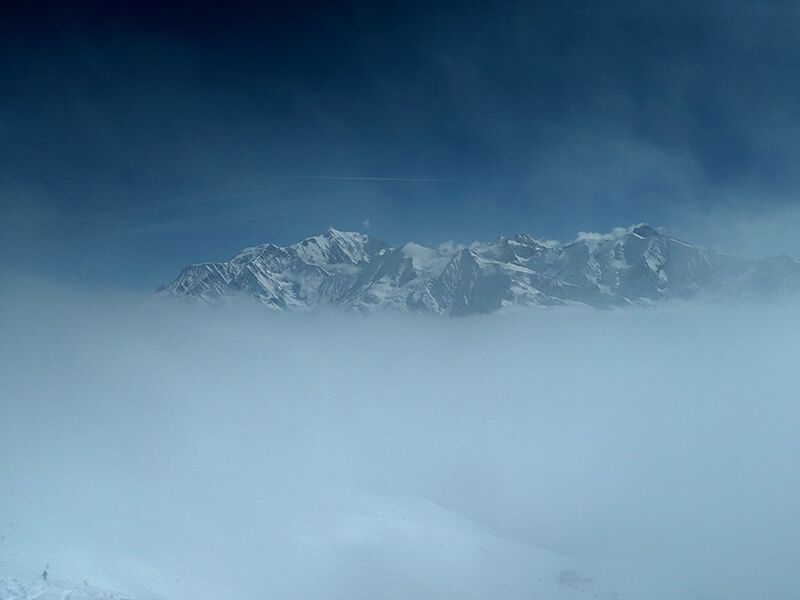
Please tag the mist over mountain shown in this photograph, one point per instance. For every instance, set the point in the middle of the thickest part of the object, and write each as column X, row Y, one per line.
column 165, row 451
column 354, row 271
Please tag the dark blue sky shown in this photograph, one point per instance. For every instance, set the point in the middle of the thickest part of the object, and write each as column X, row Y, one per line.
column 137, row 140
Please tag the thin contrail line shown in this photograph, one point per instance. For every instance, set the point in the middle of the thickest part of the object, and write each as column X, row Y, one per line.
column 357, row 178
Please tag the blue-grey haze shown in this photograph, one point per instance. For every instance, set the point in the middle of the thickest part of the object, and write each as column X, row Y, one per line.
column 172, row 453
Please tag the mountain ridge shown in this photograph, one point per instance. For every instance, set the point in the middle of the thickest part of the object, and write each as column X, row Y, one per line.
column 356, row 271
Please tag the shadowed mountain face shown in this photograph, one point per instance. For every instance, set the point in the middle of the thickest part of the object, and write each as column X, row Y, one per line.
column 637, row 265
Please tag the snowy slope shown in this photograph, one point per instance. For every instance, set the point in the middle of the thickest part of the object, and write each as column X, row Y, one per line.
column 357, row 545
column 28, row 588
column 637, row 265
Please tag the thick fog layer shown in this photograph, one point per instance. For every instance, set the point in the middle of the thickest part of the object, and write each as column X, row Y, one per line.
column 175, row 452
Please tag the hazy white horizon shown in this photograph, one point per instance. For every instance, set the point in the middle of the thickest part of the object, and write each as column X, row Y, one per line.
column 173, row 452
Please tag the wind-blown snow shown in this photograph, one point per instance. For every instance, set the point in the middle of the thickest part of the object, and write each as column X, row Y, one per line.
column 172, row 452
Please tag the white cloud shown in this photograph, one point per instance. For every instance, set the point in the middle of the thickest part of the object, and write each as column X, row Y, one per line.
column 449, row 248
column 206, row 454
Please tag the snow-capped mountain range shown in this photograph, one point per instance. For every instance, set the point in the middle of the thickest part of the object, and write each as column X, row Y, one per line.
column 634, row 265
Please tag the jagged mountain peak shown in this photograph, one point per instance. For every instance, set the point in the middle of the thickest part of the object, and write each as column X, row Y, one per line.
column 356, row 271
column 644, row 231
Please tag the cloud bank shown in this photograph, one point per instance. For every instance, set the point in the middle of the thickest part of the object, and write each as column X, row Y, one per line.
column 169, row 452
